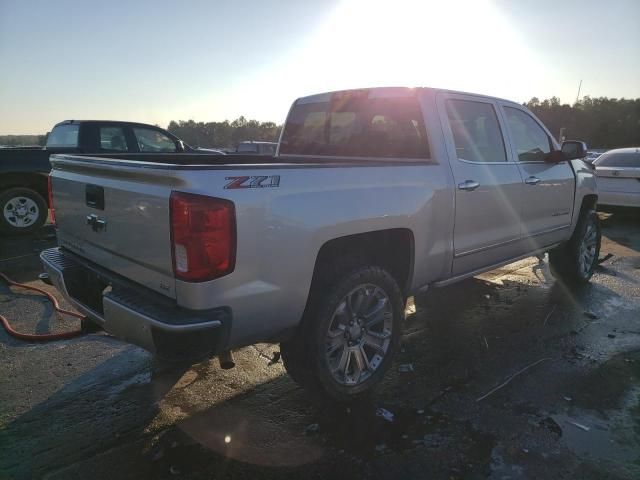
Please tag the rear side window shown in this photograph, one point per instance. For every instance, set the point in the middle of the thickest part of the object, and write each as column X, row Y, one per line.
column 150, row 140
column 476, row 131
column 619, row 159
column 112, row 139
column 64, row 136
column 353, row 125
column 531, row 141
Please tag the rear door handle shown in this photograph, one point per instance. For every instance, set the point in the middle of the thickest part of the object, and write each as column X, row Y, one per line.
column 532, row 181
column 468, row 185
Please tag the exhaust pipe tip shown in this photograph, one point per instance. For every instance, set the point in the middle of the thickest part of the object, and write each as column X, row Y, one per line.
column 226, row 360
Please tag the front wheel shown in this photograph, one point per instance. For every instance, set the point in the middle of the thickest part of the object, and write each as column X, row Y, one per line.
column 22, row 210
column 349, row 335
column 576, row 261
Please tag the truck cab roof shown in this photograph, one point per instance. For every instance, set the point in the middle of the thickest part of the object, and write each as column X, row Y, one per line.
column 386, row 92
column 114, row 122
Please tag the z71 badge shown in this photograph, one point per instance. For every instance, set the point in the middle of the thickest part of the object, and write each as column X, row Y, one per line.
column 253, row 182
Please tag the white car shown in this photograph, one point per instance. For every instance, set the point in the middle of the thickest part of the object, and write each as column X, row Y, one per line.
column 592, row 156
column 618, row 177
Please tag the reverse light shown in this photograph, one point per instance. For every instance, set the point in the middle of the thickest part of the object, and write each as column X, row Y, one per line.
column 52, row 211
column 203, row 236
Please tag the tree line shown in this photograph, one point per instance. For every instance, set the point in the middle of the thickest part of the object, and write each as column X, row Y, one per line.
column 22, row 140
column 601, row 122
column 224, row 134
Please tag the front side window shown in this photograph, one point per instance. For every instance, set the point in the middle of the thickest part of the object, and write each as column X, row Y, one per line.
column 112, row 139
column 64, row 136
column 476, row 131
column 268, row 149
column 531, row 141
column 247, row 148
column 150, row 140
column 354, row 125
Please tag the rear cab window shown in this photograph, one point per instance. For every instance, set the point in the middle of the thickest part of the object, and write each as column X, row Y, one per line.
column 64, row 136
column 352, row 124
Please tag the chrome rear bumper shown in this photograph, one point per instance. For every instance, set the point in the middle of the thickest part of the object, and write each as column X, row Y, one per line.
column 135, row 313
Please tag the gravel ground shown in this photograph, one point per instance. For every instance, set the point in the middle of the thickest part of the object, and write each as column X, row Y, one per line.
column 569, row 406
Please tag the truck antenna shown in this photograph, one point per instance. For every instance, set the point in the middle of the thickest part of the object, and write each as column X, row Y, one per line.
column 578, row 96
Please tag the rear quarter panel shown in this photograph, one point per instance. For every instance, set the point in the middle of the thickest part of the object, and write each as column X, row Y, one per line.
column 281, row 230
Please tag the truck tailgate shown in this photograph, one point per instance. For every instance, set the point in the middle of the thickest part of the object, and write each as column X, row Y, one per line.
column 116, row 216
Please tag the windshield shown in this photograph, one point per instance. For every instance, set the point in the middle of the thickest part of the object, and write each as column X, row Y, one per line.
column 619, row 159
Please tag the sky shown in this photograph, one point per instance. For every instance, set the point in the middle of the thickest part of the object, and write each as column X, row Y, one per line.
column 154, row 61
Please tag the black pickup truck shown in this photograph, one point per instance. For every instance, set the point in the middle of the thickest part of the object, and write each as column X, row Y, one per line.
column 23, row 171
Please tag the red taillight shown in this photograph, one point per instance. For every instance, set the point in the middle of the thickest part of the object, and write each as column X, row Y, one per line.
column 52, row 210
column 203, row 237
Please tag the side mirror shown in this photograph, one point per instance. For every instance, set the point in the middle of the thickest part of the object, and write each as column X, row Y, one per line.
column 573, row 149
column 555, row 156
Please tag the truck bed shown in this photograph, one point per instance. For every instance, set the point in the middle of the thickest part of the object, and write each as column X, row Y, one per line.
column 189, row 158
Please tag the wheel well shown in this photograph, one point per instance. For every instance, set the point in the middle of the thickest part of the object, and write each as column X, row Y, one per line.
column 589, row 202
column 34, row 181
column 390, row 249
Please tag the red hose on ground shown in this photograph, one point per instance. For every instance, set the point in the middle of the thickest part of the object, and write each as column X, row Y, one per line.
column 40, row 337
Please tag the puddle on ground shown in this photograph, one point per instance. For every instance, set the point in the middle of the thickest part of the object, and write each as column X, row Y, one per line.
column 603, row 421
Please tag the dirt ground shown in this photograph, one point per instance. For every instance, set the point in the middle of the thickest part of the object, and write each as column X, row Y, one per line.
column 567, row 363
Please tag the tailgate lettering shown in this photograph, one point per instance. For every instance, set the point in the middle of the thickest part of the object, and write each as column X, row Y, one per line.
column 258, row 181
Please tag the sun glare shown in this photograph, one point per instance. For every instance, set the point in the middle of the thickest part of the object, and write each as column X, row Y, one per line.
column 461, row 45
column 467, row 45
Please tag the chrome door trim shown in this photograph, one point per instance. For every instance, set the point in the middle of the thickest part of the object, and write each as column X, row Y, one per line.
column 508, row 242
column 486, row 247
column 449, row 281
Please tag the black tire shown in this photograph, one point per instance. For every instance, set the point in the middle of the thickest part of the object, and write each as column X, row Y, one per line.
column 305, row 356
column 33, row 205
column 568, row 262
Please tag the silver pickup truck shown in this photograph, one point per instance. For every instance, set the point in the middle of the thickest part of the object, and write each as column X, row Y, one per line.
column 372, row 196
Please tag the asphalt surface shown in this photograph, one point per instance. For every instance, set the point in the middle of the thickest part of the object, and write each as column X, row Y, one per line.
column 509, row 375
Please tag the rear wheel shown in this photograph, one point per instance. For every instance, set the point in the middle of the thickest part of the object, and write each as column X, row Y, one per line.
column 348, row 337
column 576, row 261
column 22, row 210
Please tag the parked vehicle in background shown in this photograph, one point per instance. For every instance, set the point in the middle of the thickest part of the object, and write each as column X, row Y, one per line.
column 618, row 177
column 592, row 156
column 257, row 148
column 23, row 171
column 374, row 195
column 216, row 151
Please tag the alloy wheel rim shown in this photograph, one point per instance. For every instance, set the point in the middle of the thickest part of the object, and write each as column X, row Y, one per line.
column 21, row 212
column 588, row 247
column 359, row 334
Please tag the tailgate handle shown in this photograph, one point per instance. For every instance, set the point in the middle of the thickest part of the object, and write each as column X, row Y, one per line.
column 96, row 223
column 94, row 196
